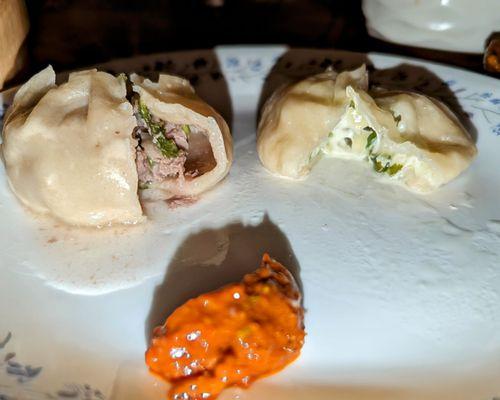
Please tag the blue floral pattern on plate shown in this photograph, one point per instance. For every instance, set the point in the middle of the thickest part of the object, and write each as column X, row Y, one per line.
column 17, row 374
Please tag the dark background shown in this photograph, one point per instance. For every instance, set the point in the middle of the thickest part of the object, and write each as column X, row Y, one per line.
column 77, row 33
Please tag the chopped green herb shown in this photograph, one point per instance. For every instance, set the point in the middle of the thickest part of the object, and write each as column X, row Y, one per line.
column 378, row 163
column 122, row 76
column 371, row 137
column 384, row 165
column 351, row 104
column 144, row 185
column 330, row 135
column 144, row 112
column 378, row 166
column 348, row 141
column 151, row 163
column 186, row 129
column 394, row 169
column 167, row 146
column 397, row 118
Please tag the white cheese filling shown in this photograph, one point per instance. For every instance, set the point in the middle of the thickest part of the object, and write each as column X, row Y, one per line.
column 353, row 138
column 348, row 139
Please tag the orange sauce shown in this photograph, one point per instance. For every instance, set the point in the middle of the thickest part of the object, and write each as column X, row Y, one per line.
column 492, row 55
column 230, row 337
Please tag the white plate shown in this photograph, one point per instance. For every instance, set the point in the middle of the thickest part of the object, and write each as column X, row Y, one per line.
column 402, row 292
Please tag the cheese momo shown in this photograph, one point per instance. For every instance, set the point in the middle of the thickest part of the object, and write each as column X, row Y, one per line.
column 407, row 138
column 68, row 149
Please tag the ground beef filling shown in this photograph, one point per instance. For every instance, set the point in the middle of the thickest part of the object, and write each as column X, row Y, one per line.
column 153, row 166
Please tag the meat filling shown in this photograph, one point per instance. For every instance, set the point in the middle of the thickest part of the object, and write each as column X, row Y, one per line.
column 162, row 149
column 152, row 167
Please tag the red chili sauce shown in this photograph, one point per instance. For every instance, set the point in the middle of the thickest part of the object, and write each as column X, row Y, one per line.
column 230, row 337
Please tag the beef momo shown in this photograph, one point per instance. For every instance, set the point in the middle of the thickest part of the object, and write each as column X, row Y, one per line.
column 68, row 149
column 85, row 154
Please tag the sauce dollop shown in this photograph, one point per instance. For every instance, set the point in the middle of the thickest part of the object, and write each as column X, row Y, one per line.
column 230, row 337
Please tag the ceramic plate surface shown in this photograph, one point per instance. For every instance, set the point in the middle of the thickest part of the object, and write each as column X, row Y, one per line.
column 402, row 292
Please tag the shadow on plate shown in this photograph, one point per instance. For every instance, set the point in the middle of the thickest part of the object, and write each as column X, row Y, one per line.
column 211, row 258
column 297, row 64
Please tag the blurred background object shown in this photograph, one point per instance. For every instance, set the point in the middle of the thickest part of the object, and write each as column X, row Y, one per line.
column 73, row 34
column 14, row 27
column 492, row 54
column 450, row 25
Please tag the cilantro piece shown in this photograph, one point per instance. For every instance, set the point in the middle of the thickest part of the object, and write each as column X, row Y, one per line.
column 352, row 105
column 394, row 169
column 378, row 163
column 371, row 137
column 186, row 129
column 378, row 166
column 144, row 185
column 144, row 113
column 122, row 76
column 385, row 166
column 397, row 118
column 167, row 146
column 348, row 141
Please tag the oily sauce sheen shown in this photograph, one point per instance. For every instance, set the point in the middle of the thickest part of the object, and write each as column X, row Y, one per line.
column 230, row 337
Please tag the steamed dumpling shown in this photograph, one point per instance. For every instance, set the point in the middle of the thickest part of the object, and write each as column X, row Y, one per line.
column 68, row 149
column 297, row 120
column 185, row 146
column 407, row 138
column 84, row 154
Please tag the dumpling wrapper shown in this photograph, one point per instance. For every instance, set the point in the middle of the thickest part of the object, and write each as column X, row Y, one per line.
column 297, row 119
column 408, row 138
column 68, row 149
column 173, row 99
column 423, row 135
